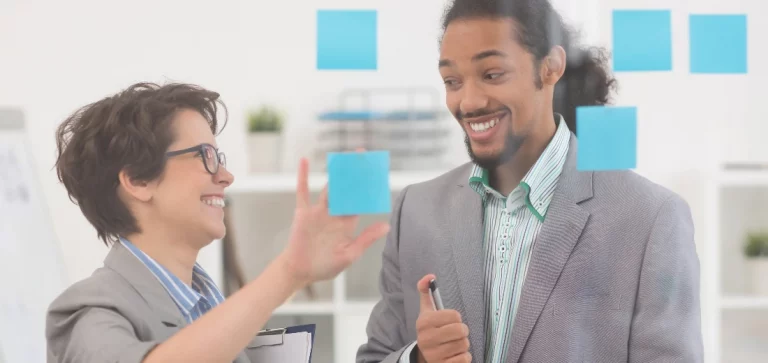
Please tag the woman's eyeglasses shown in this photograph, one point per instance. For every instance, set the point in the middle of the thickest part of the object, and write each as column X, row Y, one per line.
column 212, row 157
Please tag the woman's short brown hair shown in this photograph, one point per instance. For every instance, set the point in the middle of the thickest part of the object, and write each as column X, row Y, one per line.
column 130, row 130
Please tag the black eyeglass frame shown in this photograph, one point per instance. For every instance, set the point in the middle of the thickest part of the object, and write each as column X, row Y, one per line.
column 221, row 159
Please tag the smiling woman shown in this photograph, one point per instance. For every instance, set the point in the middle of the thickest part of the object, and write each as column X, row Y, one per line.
column 145, row 169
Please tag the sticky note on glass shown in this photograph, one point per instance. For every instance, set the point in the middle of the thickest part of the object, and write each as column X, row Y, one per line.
column 347, row 40
column 642, row 40
column 358, row 183
column 607, row 138
column 718, row 43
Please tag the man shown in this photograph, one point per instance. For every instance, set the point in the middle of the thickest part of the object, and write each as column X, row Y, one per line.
column 536, row 261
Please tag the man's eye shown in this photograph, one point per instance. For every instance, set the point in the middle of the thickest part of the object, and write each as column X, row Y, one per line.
column 493, row 75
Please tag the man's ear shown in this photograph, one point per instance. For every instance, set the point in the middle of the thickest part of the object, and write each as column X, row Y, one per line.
column 553, row 65
column 136, row 189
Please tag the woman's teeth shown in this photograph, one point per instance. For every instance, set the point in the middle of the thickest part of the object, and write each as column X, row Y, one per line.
column 483, row 126
column 215, row 202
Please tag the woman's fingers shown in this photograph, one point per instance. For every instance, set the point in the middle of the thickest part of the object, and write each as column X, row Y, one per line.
column 324, row 196
column 367, row 238
column 302, row 185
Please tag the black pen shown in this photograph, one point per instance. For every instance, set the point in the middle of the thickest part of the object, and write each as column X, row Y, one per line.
column 436, row 300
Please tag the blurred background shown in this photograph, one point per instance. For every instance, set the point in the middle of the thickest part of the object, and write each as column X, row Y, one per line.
column 701, row 134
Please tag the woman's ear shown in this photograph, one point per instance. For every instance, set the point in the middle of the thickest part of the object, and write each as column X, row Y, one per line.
column 136, row 189
column 554, row 65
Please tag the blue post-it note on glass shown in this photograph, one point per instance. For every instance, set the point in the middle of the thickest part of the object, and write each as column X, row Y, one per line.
column 347, row 40
column 358, row 183
column 642, row 40
column 718, row 43
column 607, row 138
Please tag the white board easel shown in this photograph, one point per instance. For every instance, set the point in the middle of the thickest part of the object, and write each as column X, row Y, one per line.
column 31, row 265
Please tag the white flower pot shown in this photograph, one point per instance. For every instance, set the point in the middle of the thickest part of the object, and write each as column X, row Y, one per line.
column 264, row 152
column 759, row 270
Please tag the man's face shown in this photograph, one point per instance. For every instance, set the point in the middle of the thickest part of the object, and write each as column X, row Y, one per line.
column 490, row 87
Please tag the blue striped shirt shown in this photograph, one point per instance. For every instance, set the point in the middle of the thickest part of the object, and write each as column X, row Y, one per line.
column 193, row 301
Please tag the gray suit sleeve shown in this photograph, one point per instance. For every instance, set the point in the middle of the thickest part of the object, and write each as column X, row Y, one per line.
column 386, row 326
column 666, row 325
column 89, row 334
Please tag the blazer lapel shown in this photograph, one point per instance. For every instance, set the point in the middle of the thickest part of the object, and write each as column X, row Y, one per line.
column 558, row 236
column 122, row 261
column 465, row 233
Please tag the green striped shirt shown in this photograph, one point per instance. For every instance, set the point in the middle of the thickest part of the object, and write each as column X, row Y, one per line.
column 511, row 225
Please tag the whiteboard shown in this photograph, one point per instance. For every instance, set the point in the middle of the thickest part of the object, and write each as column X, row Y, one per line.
column 31, row 265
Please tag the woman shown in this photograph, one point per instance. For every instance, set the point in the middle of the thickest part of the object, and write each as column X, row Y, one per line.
column 144, row 168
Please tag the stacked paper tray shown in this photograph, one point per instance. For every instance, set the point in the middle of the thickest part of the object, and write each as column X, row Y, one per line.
column 415, row 139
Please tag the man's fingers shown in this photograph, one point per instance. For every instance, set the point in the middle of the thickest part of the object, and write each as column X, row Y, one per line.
column 438, row 319
column 462, row 358
column 447, row 333
column 453, row 348
column 302, row 184
column 426, row 298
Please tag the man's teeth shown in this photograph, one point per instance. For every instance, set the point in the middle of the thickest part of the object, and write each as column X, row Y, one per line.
column 483, row 126
column 216, row 202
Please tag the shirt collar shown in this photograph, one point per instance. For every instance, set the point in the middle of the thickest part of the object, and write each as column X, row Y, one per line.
column 185, row 296
column 539, row 183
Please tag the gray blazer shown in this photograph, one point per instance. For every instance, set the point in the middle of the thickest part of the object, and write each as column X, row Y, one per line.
column 614, row 275
column 116, row 315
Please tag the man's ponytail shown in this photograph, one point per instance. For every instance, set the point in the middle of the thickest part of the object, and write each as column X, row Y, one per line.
column 586, row 82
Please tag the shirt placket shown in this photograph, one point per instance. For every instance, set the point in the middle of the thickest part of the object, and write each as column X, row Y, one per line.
column 503, row 248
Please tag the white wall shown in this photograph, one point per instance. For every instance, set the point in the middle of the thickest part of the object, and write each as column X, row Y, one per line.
column 56, row 56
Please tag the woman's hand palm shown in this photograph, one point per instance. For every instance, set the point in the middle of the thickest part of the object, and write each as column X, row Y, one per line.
column 321, row 245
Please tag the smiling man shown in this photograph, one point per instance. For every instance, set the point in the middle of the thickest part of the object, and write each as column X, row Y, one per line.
column 536, row 261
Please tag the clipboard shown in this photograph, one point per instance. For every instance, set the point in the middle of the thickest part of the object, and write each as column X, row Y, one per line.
column 274, row 339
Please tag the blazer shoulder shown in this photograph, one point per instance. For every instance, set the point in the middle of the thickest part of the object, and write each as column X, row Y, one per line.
column 630, row 186
column 97, row 290
column 450, row 179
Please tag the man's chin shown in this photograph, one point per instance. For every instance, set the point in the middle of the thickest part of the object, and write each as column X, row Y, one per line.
column 488, row 162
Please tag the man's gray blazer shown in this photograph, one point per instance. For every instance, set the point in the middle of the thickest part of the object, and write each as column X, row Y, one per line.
column 614, row 275
column 116, row 315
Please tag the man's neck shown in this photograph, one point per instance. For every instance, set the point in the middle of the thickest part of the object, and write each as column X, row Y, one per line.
column 506, row 177
column 168, row 250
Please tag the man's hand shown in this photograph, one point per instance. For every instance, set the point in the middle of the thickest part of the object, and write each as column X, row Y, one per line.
column 441, row 336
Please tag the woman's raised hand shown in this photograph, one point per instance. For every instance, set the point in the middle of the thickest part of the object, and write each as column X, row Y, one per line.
column 320, row 245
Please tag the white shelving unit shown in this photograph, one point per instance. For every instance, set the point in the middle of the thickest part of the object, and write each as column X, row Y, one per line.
column 738, row 318
column 262, row 207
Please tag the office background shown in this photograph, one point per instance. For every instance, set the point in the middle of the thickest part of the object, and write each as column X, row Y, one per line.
column 692, row 119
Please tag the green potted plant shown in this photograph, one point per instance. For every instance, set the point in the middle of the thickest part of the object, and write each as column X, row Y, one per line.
column 756, row 251
column 265, row 126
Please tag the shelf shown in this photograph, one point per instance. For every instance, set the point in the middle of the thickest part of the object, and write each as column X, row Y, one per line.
column 744, row 302
column 356, row 307
column 304, row 308
column 286, row 182
column 743, row 178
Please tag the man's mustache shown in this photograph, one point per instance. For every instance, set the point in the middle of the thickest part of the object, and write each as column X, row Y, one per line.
column 479, row 113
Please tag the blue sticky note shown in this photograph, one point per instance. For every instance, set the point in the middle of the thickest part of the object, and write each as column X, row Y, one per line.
column 607, row 138
column 347, row 40
column 642, row 40
column 718, row 43
column 358, row 183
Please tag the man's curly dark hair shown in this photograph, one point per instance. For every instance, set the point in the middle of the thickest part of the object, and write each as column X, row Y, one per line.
column 586, row 81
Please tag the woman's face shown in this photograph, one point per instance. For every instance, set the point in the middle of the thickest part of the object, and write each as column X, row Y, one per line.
column 187, row 196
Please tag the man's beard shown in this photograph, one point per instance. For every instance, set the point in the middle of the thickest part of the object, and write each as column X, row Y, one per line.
column 512, row 144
